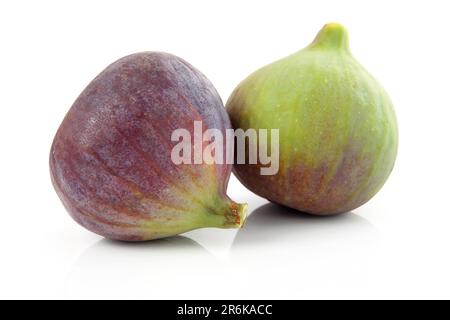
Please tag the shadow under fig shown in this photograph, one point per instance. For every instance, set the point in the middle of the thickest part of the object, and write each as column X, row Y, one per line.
column 170, row 243
column 113, row 252
column 271, row 224
column 123, row 269
column 118, row 269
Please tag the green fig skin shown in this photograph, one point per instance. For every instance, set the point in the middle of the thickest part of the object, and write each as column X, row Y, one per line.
column 337, row 127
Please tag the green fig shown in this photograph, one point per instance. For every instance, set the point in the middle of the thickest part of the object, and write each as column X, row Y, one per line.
column 337, row 127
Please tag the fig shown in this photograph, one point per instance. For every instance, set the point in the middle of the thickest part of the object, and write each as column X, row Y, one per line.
column 338, row 133
column 110, row 160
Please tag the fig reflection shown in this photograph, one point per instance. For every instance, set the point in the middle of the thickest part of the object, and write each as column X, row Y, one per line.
column 126, row 270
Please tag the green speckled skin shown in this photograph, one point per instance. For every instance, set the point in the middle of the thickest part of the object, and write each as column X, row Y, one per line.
column 338, row 131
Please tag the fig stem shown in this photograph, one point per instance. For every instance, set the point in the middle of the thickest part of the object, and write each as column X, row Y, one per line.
column 332, row 36
column 231, row 215
column 239, row 212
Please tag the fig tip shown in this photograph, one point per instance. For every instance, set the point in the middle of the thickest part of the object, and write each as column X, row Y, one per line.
column 333, row 35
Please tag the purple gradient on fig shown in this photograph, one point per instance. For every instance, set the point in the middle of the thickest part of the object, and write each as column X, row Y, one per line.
column 110, row 160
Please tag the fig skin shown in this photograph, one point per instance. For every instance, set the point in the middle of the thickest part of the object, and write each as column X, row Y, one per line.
column 338, row 130
column 110, row 161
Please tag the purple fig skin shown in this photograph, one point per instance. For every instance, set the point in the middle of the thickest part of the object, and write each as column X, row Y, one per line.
column 110, row 160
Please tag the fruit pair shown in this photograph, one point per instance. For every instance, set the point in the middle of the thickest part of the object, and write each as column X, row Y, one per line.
column 111, row 159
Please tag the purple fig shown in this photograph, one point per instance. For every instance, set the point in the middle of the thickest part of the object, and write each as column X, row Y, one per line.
column 111, row 163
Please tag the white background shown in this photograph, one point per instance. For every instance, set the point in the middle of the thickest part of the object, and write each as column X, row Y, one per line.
column 395, row 246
